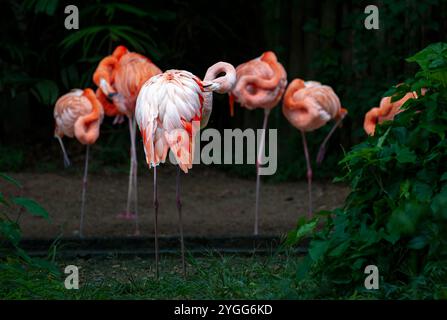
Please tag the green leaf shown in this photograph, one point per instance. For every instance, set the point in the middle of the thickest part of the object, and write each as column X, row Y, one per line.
column 304, row 229
column 41, row 6
column 10, row 230
column 318, row 248
column 437, row 128
column 382, row 138
column 10, row 179
column 46, row 91
column 405, row 155
column 31, row 206
column 340, row 249
column 392, row 237
column 439, row 62
column 422, row 191
column 405, row 189
column 358, row 264
column 303, row 268
column 418, row 242
column 439, row 204
column 405, row 219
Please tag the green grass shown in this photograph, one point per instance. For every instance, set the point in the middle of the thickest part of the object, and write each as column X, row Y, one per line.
column 209, row 277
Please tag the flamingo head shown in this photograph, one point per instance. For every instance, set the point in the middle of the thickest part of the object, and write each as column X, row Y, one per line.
column 86, row 128
column 119, row 52
column 371, row 120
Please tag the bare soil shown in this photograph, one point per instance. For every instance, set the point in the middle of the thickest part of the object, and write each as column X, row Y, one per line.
column 214, row 203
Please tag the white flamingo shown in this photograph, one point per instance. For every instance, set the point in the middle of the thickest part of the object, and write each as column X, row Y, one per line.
column 166, row 108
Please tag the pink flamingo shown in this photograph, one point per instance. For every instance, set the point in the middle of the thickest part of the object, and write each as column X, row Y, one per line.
column 78, row 114
column 167, row 106
column 260, row 84
column 120, row 77
column 308, row 106
column 386, row 111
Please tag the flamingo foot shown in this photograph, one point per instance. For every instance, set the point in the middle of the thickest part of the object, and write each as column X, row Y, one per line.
column 127, row 216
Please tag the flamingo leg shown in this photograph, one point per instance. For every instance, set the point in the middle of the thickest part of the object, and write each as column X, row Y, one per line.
column 258, row 162
column 156, row 223
column 309, row 174
column 322, row 149
column 66, row 159
column 129, row 189
column 179, row 208
column 132, row 175
column 135, row 179
column 84, row 189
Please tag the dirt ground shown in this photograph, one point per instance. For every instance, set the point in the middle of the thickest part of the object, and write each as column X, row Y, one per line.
column 214, row 204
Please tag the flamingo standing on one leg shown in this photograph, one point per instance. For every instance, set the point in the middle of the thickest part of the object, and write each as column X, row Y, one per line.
column 167, row 108
column 308, row 106
column 78, row 114
column 260, row 84
column 120, row 77
column 386, row 111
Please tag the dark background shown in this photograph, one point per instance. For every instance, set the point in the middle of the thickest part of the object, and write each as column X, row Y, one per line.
column 315, row 40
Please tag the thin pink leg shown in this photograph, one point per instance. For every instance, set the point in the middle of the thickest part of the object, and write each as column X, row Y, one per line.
column 179, row 208
column 309, row 174
column 66, row 159
column 128, row 215
column 322, row 150
column 135, row 179
column 156, row 224
column 258, row 162
column 84, row 190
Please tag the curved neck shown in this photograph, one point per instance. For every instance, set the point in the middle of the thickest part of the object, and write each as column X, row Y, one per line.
column 222, row 84
column 103, row 73
column 267, row 84
column 119, row 52
column 86, row 128
column 288, row 99
column 96, row 106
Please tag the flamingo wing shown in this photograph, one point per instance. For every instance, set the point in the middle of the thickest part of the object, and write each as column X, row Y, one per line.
column 166, row 108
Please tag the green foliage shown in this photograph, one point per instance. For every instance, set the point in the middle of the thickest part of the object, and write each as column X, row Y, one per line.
column 19, row 272
column 41, row 6
column 396, row 215
column 212, row 276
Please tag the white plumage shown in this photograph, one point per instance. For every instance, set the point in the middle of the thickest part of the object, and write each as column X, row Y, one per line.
column 166, row 106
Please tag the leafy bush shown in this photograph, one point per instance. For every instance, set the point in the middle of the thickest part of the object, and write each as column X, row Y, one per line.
column 21, row 275
column 396, row 214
